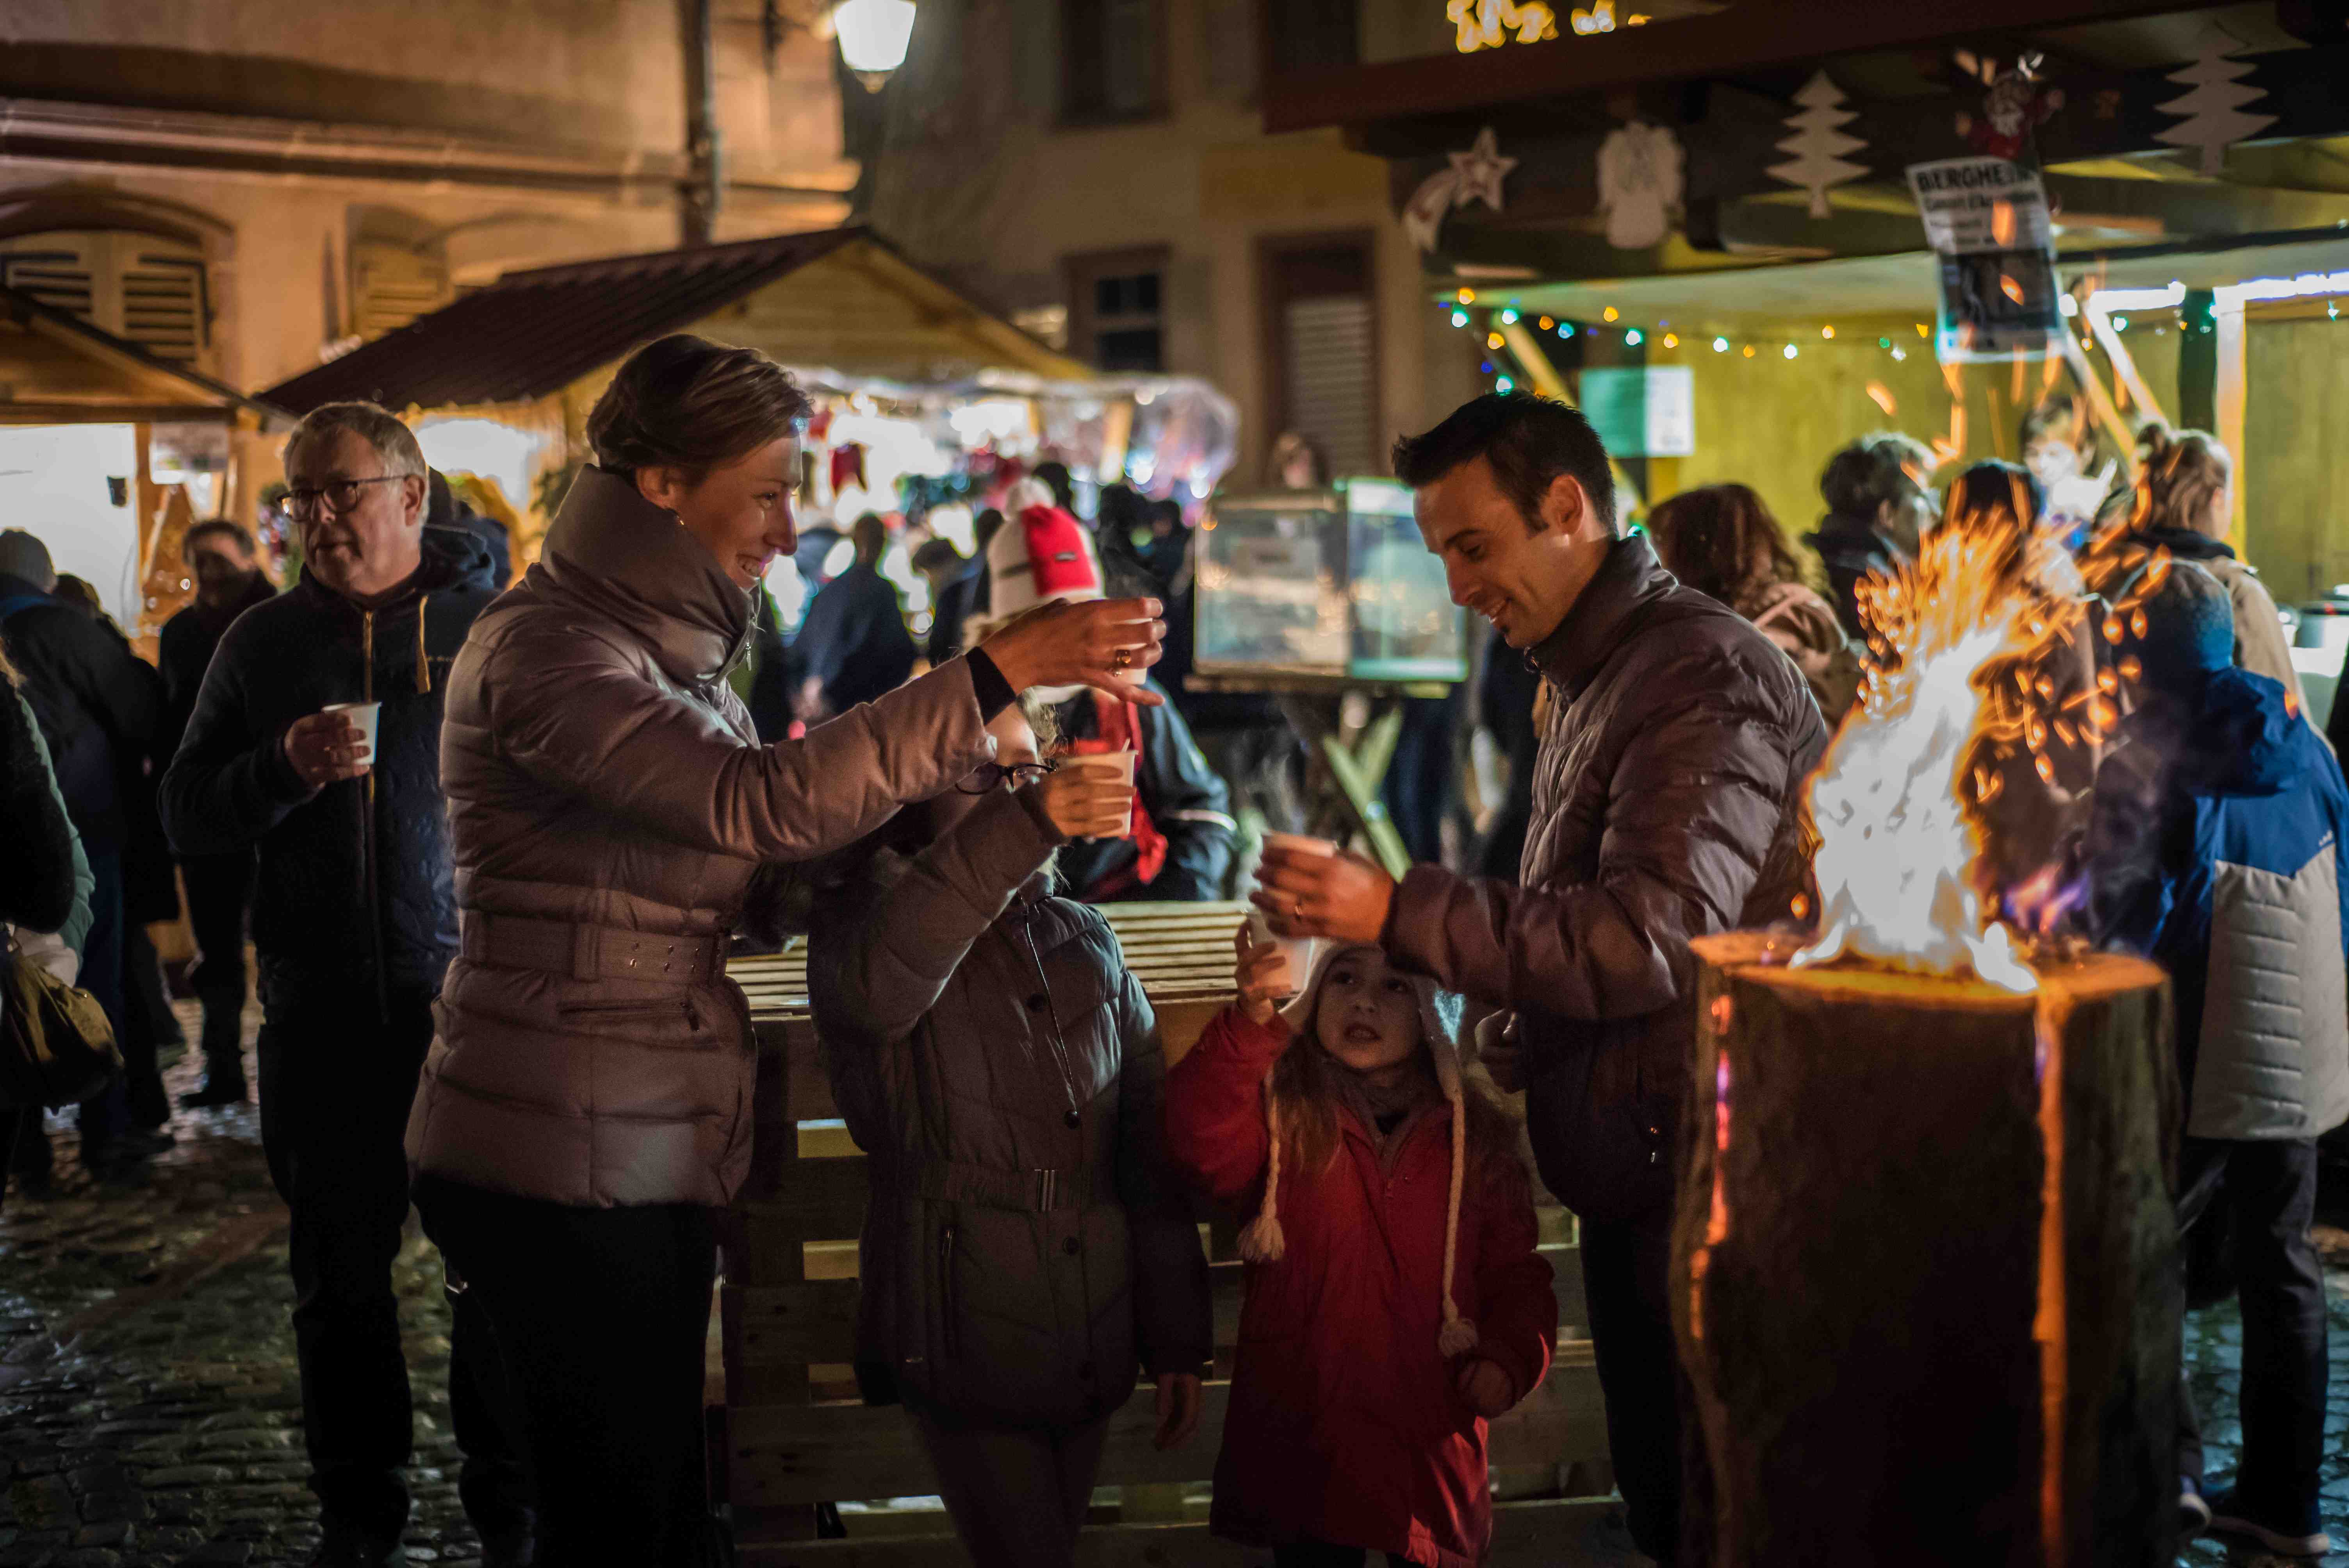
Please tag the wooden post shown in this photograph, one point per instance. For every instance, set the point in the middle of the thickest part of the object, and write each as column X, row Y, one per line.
column 1925, row 1275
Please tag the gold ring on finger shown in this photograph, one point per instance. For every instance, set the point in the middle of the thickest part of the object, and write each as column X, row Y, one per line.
column 1121, row 659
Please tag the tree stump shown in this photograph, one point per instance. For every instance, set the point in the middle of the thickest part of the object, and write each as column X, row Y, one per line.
column 1925, row 1276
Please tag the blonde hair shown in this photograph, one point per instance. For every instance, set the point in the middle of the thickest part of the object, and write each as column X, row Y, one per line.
column 2183, row 470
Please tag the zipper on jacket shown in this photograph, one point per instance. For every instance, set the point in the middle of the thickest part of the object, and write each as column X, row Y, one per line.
column 952, row 1335
column 1052, row 1013
column 366, row 812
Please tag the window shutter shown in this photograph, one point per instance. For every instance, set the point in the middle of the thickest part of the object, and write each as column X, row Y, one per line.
column 145, row 288
column 392, row 284
column 1328, row 348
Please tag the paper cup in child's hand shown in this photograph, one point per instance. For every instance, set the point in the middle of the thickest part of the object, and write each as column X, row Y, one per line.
column 1297, row 952
column 1108, row 768
column 361, row 716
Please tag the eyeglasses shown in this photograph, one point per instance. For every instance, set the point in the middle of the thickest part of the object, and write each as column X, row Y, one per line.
column 340, row 494
column 989, row 777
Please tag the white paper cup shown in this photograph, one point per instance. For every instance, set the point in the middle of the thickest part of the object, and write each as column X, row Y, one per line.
column 363, row 715
column 1300, row 950
column 1298, row 844
column 1115, row 767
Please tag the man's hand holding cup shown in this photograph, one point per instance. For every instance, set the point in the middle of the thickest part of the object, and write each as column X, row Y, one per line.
column 332, row 745
column 1309, row 887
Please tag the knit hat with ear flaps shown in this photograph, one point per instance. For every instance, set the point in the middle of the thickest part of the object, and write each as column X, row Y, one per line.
column 1439, row 1020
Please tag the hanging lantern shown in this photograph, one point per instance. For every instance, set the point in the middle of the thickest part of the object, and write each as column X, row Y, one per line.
column 872, row 38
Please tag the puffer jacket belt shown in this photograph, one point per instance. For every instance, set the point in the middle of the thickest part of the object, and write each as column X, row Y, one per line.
column 1022, row 1191
column 588, row 952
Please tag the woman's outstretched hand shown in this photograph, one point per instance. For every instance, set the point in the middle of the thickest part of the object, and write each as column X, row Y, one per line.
column 1104, row 644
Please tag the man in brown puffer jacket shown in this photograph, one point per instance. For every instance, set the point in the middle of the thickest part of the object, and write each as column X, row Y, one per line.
column 1674, row 748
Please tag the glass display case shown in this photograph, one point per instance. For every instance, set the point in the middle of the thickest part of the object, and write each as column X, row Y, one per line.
column 1329, row 582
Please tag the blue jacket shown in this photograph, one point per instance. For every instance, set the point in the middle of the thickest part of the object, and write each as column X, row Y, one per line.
column 2214, row 851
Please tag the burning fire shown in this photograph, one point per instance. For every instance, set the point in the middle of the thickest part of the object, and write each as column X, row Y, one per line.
column 1956, row 691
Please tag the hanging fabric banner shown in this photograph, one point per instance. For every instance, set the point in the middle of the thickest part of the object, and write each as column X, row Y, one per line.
column 1987, row 219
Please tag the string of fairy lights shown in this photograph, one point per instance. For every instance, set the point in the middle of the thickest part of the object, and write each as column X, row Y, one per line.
column 1470, row 312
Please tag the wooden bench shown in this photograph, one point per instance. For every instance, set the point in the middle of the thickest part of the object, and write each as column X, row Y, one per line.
column 792, row 1436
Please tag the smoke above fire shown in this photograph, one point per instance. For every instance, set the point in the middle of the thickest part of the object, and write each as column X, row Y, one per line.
column 1981, row 699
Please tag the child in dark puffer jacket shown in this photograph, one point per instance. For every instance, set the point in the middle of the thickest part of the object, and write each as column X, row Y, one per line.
column 1395, row 1300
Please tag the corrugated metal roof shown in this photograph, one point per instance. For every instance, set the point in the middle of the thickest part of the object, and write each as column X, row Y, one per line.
column 532, row 333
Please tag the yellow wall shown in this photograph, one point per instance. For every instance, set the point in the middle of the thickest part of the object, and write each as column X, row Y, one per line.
column 2294, row 470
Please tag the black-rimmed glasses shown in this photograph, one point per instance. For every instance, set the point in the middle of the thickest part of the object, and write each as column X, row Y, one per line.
column 989, row 777
column 340, row 494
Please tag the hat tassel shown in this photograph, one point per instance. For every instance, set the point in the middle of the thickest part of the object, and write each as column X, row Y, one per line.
column 1458, row 1335
column 1261, row 1241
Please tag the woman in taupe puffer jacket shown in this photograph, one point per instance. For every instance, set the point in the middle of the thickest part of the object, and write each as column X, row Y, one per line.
column 586, row 1103
column 1027, row 1248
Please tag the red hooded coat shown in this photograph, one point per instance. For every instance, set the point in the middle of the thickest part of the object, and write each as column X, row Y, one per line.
column 1345, row 1425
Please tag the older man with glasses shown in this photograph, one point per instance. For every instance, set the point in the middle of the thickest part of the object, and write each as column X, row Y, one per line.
column 354, row 921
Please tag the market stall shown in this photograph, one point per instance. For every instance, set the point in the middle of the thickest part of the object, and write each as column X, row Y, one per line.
column 923, row 397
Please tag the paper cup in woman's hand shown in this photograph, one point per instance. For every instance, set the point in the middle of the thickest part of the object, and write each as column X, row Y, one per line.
column 1103, row 768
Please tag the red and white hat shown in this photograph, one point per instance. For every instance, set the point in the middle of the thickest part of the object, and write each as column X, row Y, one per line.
column 1040, row 553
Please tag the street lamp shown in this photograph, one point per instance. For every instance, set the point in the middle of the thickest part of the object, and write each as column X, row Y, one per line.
column 872, row 38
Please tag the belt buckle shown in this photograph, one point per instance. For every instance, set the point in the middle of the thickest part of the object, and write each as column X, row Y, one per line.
column 1048, row 1184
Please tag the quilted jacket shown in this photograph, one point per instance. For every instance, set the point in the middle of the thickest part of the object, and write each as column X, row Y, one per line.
column 609, row 802
column 2215, row 851
column 1027, row 1249
column 1665, row 806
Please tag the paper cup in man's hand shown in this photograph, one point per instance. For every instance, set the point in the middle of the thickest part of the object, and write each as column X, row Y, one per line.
column 361, row 716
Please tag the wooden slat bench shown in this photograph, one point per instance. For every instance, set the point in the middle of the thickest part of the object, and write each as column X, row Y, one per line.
column 791, row 1434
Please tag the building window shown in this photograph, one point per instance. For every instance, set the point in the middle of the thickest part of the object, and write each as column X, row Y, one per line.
column 146, row 288
column 1113, row 60
column 1116, row 314
column 1323, row 327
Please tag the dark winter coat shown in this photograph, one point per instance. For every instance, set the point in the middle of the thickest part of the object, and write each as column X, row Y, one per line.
column 99, row 705
column 1186, row 802
column 184, row 652
column 45, row 884
column 1850, row 547
column 443, row 510
column 1665, row 807
column 980, row 1035
column 854, row 641
column 354, row 897
column 2214, row 850
column 1345, row 1422
column 610, row 808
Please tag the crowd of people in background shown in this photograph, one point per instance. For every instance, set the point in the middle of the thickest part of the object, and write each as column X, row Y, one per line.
column 492, row 848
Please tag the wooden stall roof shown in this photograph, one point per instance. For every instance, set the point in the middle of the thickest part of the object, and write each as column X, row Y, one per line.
column 840, row 298
column 57, row 369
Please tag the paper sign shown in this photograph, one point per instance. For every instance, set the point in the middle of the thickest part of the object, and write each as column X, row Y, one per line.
column 1987, row 219
column 1642, row 412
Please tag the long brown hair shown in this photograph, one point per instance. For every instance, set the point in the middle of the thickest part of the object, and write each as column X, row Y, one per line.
column 2183, row 469
column 1305, row 1093
column 1708, row 537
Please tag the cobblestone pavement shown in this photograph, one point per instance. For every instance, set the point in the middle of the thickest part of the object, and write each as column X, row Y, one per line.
column 150, row 1414
column 148, row 1409
column 2214, row 1355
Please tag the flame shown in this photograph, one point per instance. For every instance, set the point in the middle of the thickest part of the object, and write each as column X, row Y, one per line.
column 1960, row 637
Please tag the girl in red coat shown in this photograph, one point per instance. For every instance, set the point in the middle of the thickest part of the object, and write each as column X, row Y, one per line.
column 1395, row 1302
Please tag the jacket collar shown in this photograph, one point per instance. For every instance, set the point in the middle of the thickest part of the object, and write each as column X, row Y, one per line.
column 2187, row 543
column 1629, row 579
column 611, row 546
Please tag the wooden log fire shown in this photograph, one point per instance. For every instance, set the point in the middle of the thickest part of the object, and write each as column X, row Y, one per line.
column 1924, row 1277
